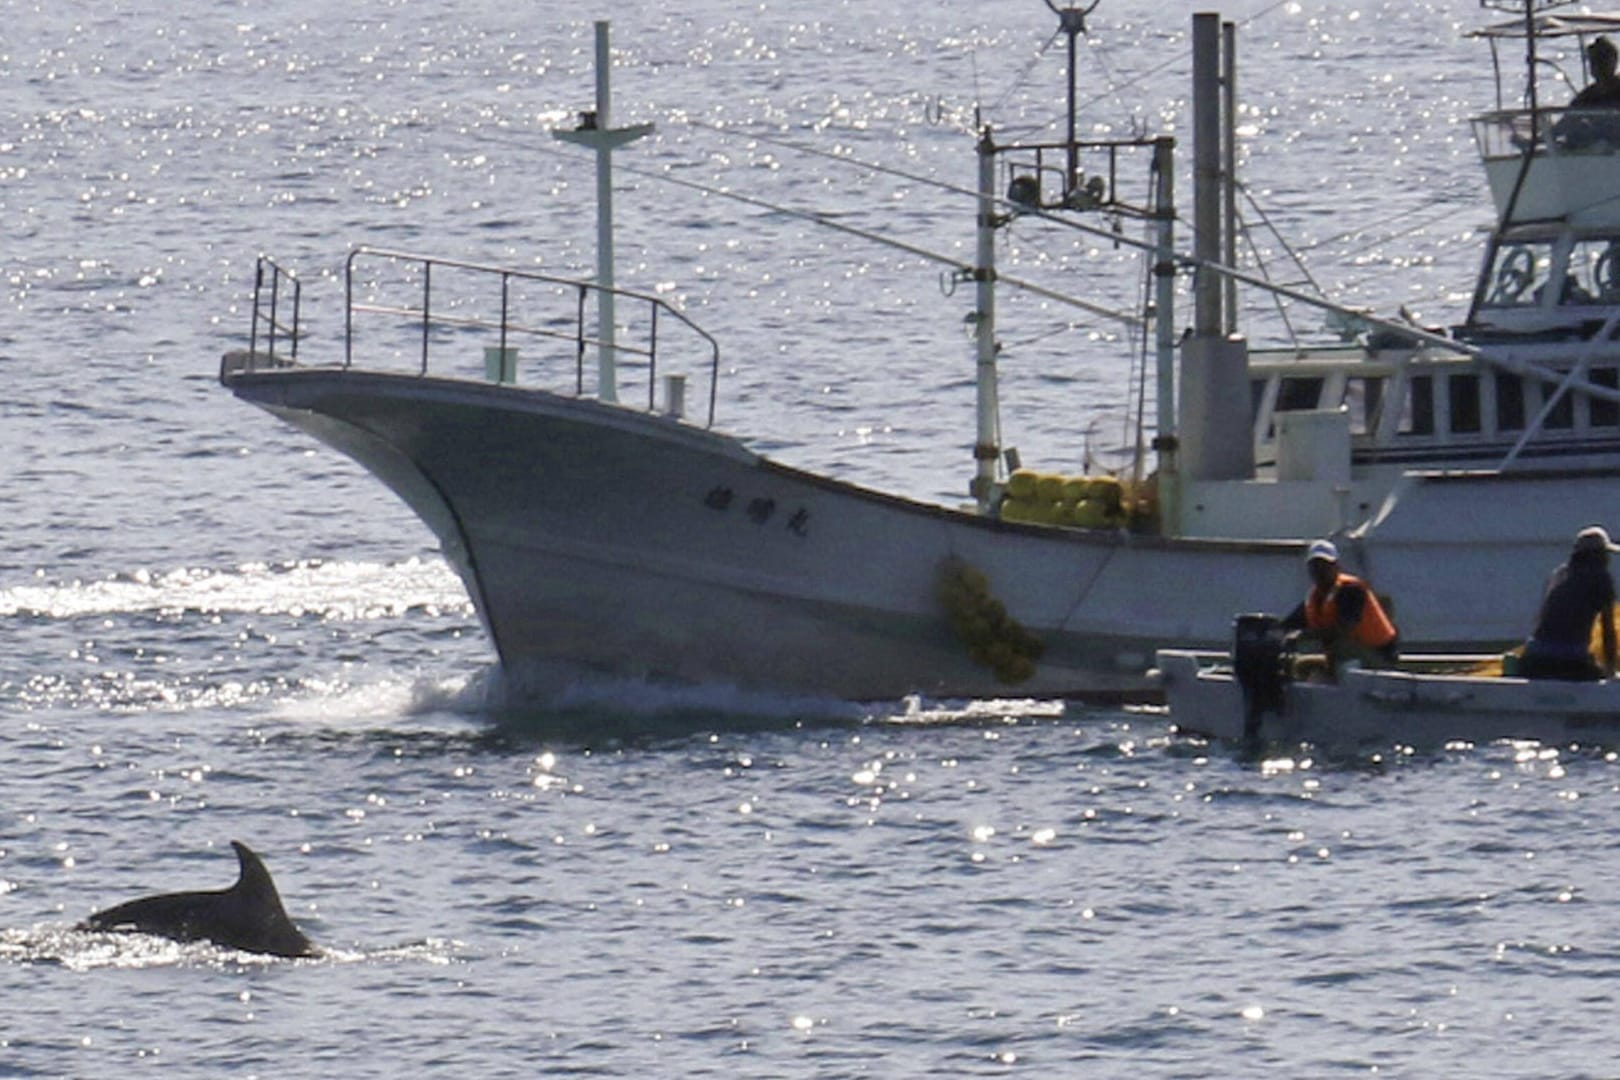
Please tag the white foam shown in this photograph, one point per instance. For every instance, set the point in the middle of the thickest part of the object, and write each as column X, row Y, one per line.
column 344, row 591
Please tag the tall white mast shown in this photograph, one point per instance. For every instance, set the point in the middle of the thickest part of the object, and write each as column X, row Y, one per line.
column 596, row 131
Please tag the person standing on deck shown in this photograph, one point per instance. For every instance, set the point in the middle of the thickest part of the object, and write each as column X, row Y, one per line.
column 1604, row 89
column 1603, row 92
column 1343, row 614
column 1579, row 591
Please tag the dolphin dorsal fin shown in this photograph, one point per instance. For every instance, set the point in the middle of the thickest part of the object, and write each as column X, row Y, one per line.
column 256, row 899
column 248, row 915
column 252, row 878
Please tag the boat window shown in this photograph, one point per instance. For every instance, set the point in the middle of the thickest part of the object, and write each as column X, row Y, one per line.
column 1361, row 399
column 1605, row 413
column 1563, row 410
column 1418, row 416
column 1295, row 394
column 1465, row 416
column 1519, row 274
column 1594, row 272
column 1509, row 402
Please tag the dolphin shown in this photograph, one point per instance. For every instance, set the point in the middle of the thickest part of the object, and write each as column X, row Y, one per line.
column 246, row 916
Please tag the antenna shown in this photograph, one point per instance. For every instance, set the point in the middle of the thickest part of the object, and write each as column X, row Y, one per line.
column 1072, row 23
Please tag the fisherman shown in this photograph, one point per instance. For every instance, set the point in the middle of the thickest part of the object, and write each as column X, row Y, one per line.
column 1603, row 92
column 1342, row 613
column 1578, row 592
column 1604, row 89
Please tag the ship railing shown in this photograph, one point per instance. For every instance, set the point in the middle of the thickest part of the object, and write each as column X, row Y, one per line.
column 270, row 314
column 1509, row 132
column 434, row 301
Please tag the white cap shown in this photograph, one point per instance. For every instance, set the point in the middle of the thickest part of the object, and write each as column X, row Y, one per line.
column 1593, row 538
column 1322, row 549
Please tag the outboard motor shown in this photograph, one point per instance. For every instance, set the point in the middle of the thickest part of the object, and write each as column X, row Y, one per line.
column 1258, row 664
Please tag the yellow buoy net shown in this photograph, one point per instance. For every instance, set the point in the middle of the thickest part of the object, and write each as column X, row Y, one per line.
column 1081, row 502
column 994, row 638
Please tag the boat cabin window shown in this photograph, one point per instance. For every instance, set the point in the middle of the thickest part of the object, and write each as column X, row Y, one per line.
column 1509, row 402
column 1594, row 271
column 1605, row 413
column 1519, row 274
column 1465, row 411
column 1562, row 415
column 1417, row 418
column 1295, row 394
column 1361, row 399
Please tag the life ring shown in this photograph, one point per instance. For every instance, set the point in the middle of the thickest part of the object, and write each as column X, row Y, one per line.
column 1513, row 275
column 1606, row 273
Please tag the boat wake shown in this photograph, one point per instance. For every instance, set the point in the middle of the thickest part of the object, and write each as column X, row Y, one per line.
column 337, row 590
column 567, row 699
column 88, row 950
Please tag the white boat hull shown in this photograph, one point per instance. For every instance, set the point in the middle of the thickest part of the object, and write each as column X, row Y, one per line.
column 1387, row 708
column 590, row 534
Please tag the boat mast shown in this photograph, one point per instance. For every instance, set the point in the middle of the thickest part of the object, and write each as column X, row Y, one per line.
column 1530, row 65
column 1098, row 192
column 1215, row 429
column 1229, row 166
column 1166, row 440
column 1209, row 316
column 596, row 131
column 987, row 447
column 1071, row 24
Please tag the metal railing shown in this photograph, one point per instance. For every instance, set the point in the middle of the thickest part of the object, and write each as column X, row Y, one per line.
column 514, row 318
column 267, row 311
column 1509, row 132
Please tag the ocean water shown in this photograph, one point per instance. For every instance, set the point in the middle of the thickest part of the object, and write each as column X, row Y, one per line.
column 218, row 630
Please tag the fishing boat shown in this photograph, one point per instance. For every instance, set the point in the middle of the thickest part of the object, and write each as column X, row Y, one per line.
column 609, row 525
column 1249, row 695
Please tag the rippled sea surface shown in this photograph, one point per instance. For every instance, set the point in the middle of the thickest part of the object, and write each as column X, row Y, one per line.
column 215, row 629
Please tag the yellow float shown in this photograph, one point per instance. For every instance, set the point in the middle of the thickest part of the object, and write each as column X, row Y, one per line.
column 1083, row 502
column 994, row 638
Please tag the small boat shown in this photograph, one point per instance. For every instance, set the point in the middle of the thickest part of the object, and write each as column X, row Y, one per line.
column 608, row 525
column 1251, row 695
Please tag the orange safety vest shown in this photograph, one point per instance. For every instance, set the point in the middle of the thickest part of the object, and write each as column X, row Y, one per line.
column 1374, row 630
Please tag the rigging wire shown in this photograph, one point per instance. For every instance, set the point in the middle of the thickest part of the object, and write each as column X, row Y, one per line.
column 1116, row 89
column 1277, row 235
column 1177, row 61
column 1276, row 298
column 829, row 155
column 1018, row 79
column 829, row 221
column 1348, row 234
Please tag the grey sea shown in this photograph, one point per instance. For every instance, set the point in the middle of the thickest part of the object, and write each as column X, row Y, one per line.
column 215, row 629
